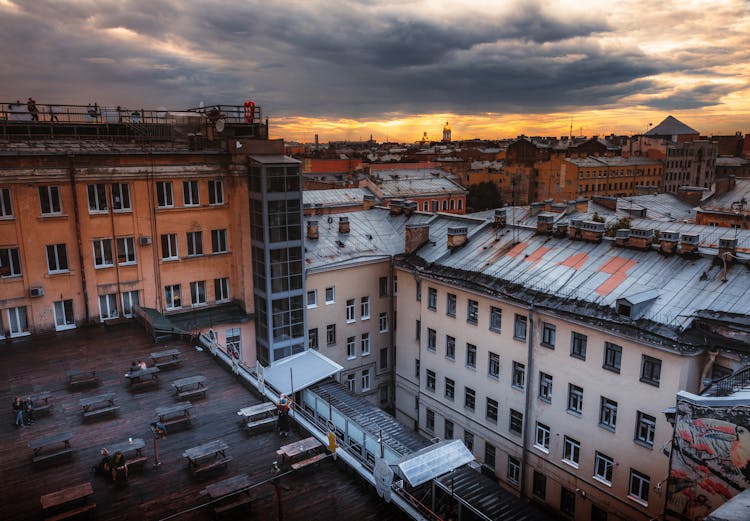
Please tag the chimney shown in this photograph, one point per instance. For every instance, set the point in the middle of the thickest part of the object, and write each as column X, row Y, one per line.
column 581, row 204
column 727, row 247
column 641, row 238
column 548, row 204
column 343, row 225
column 312, row 229
column 409, row 207
column 396, row 206
column 368, row 201
column 500, row 217
column 558, row 207
column 416, row 236
column 535, row 208
column 690, row 194
column 689, row 243
column 544, row 223
column 560, row 229
column 457, row 236
column 574, row 228
column 668, row 241
column 592, row 231
column 622, row 236
column 605, row 201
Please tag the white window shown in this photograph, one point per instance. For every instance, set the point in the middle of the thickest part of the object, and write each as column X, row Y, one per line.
column 494, row 365
column 221, row 289
column 350, row 310
column 6, row 206
column 383, row 321
column 121, row 197
column 234, row 342
column 190, row 193
column 164, row 197
column 198, row 293
column 571, row 451
column 64, row 318
column 18, row 323
column 645, row 428
column 364, row 308
column 639, row 484
column 514, row 467
column 350, row 382
column 519, row 375
column 130, row 300
column 97, row 198
column 331, row 295
column 219, row 241
column 603, row 466
column 216, row 192
column 545, row 387
column 496, row 319
column 351, row 347
column 608, row 414
column 172, row 296
column 57, row 258
column 365, row 379
column 169, row 246
column 195, row 243
column 103, row 253
column 312, row 298
column 542, row 437
column 575, row 399
column 126, row 250
column 10, row 262
column 108, row 306
column 49, row 199
column 366, row 348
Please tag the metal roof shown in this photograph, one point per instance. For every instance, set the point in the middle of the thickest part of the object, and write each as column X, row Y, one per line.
column 740, row 191
column 419, row 186
column 671, row 126
column 301, row 370
column 433, row 461
column 335, row 197
column 604, row 161
column 274, row 160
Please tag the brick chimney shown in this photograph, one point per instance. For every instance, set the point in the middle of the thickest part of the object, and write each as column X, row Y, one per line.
column 560, row 229
column 544, row 223
column 622, row 236
column 500, row 217
column 574, row 228
column 535, row 208
column 457, row 236
column 668, row 241
column 343, row 225
column 409, row 208
column 641, row 238
column 397, row 206
column 312, row 229
column 689, row 243
column 727, row 247
column 368, row 201
column 690, row 194
column 416, row 236
column 592, row 231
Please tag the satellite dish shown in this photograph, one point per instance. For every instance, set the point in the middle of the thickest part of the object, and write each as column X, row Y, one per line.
column 219, row 125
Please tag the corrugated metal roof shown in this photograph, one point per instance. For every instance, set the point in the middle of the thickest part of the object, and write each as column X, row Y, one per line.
column 335, row 197
column 739, row 192
column 433, row 461
column 419, row 186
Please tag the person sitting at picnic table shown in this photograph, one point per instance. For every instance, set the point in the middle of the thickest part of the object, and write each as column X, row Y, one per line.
column 28, row 410
column 134, row 367
column 119, row 467
column 103, row 467
column 141, row 364
column 18, row 409
column 284, row 421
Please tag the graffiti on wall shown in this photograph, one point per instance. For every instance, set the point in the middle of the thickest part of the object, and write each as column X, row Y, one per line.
column 710, row 458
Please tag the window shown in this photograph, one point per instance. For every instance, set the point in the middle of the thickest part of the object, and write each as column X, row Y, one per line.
column 567, row 502
column 469, row 440
column 650, row 370
column 430, row 420
column 331, row 334
column 430, row 384
column 431, row 339
column 419, row 291
column 597, row 514
column 418, row 325
column 489, row 455
column 57, row 258
column 448, row 429
column 450, row 347
column 221, row 289
column 548, row 335
column 234, row 342
column 450, row 389
column 492, row 406
column 169, row 246
column 516, row 422
column 366, row 344
column 432, row 299
column 130, row 300
column 351, row 384
column 519, row 375
column 469, row 398
column 49, row 198
column 603, row 466
column 18, row 323
column 545, row 387
column 312, row 298
column 383, row 353
column 10, row 262
column 612, row 357
column 571, row 451
column 365, row 380
column 103, row 253
column 194, row 244
column 350, row 313
column 364, row 308
column 198, row 293
column 578, row 345
column 471, row 355
column 383, row 322
column 514, row 470
column 383, row 286
column 539, row 486
column 542, row 437
column 493, row 365
column 450, row 305
column 575, row 399
column 351, row 347
column 416, row 369
column 312, row 338
column 496, row 318
column 64, row 318
column 164, row 194
column 331, row 295
column 219, row 241
column 472, row 311
column 519, row 328
column 608, row 414
column 97, row 197
column 190, row 193
column 6, row 206
column 172, row 296
column 644, row 429
column 125, row 250
column 215, row 192
column 639, row 484
column 108, row 306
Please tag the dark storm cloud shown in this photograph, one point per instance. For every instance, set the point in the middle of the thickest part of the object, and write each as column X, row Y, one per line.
column 694, row 98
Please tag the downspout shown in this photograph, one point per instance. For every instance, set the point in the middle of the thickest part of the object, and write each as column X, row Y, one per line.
column 392, row 365
column 526, row 408
column 115, row 259
column 72, row 176
column 155, row 249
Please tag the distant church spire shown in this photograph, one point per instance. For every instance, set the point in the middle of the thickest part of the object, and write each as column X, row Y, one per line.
column 446, row 132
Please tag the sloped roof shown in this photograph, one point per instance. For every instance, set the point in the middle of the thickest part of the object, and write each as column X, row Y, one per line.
column 671, row 126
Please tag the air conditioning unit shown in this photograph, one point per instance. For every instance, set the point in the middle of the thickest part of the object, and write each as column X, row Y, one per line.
column 145, row 240
column 36, row 292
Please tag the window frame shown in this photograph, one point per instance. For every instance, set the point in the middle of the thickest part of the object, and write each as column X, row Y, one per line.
column 578, row 345
column 175, row 290
column 330, row 335
column 314, row 302
column 173, row 243
column 219, row 242
column 431, row 298
column 496, row 319
column 60, row 259
column 191, row 190
column 365, row 344
column 102, row 247
column 645, row 429
column 450, row 347
column 366, row 380
column 312, row 338
column 650, row 370
column 196, row 287
column 194, row 243
column 470, row 399
column 603, row 468
column 644, row 483
column 221, row 286
column 351, row 313
column 575, row 399
column 542, row 434
column 520, row 327
column 364, row 308
column 546, row 382
column 472, row 312
column 164, row 194
column 450, row 389
column 518, row 376
column 492, row 408
column 126, row 247
column 383, row 322
column 6, row 204
column 571, row 451
column 451, row 303
column 607, row 414
column 332, row 292
column 513, row 470
column 97, row 198
column 493, row 365
column 612, row 357
column 13, row 263
column 471, row 355
column 68, row 321
column 351, row 347
column 51, row 195
column 215, row 192
column 515, row 422
column 549, row 335
column 430, row 380
column 431, row 340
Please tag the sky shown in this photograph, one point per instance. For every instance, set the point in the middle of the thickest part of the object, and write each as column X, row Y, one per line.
column 350, row 69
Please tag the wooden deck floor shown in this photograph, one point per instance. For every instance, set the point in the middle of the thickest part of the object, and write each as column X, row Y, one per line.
column 329, row 491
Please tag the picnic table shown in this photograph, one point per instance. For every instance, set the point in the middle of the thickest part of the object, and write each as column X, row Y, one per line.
column 99, row 404
column 143, row 377
column 207, row 456
column 132, row 449
column 229, row 494
column 68, row 502
column 190, row 387
column 174, row 414
column 81, row 377
column 258, row 416
column 166, row 358
column 308, row 446
column 40, row 401
column 39, row 444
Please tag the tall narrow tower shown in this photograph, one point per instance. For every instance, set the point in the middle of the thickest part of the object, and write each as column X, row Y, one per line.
column 446, row 132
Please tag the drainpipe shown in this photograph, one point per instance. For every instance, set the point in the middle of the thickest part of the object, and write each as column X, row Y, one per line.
column 391, row 312
column 115, row 259
column 155, row 240
column 72, row 176
column 527, row 405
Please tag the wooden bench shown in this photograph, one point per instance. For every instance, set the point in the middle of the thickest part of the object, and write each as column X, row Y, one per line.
column 98, row 405
column 39, row 444
column 72, row 513
column 309, row 461
column 259, row 424
column 103, row 410
column 165, row 359
column 52, row 455
column 82, row 378
column 239, row 501
column 211, row 465
column 40, row 402
column 193, row 392
column 176, row 421
column 138, row 461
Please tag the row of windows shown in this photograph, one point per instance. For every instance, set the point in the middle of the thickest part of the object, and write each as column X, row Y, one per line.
column 330, row 297
column 638, row 486
column 194, row 240
column 198, row 296
column 365, row 381
column 619, row 172
column 331, row 336
column 437, row 205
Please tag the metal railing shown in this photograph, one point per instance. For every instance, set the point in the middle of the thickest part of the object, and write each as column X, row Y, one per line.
column 731, row 383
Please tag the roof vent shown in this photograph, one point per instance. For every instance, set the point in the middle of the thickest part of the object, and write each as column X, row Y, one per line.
column 727, row 247
column 368, row 201
column 621, row 236
column 636, row 305
column 535, row 208
column 410, row 207
column 312, row 229
column 560, row 229
column 396, row 206
column 500, row 217
column 641, row 238
column 544, row 223
column 689, row 243
column 574, row 228
column 457, row 236
column 668, row 241
column 592, row 231
column 343, row 225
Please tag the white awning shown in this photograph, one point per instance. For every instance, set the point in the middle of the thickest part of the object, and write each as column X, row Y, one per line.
column 299, row 371
column 433, row 461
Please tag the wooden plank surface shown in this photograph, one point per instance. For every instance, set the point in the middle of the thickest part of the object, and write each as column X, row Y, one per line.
column 296, row 448
column 66, row 495
column 60, row 437
column 107, row 398
column 190, row 380
column 125, row 446
column 206, row 449
column 167, row 353
column 227, row 486
column 254, row 410
column 169, row 410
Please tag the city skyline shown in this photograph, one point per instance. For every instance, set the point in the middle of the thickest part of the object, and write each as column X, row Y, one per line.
column 395, row 70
